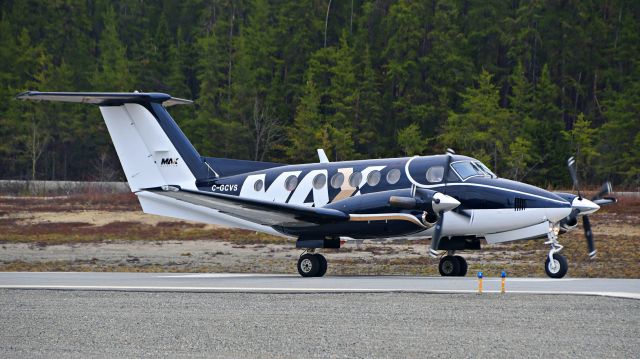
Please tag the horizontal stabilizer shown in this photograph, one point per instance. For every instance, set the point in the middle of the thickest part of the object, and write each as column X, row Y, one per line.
column 104, row 98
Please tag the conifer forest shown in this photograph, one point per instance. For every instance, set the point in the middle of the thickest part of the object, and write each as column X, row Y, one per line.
column 520, row 85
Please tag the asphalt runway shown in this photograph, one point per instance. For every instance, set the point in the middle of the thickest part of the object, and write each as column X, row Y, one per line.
column 271, row 283
column 123, row 315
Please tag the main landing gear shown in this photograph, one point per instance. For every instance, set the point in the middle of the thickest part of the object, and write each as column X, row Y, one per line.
column 452, row 265
column 556, row 265
column 312, row 264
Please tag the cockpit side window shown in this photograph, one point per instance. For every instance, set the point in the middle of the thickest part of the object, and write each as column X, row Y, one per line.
column 486, row 170
column 466, row 169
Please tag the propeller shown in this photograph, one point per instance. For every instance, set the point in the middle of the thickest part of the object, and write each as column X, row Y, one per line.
column 584, row 206
column 437, row 234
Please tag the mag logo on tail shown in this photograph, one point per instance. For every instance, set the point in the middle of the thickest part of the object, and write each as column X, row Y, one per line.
column 169, row 161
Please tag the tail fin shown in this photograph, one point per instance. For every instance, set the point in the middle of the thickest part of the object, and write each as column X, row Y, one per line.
column 152, row 149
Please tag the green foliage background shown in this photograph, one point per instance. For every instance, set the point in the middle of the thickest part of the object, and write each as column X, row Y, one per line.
column 521, row 85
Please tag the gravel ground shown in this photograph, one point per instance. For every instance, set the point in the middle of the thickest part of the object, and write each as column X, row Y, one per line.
column 41, row 323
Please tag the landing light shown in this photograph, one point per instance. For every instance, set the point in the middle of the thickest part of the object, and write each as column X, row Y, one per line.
column 555, row 228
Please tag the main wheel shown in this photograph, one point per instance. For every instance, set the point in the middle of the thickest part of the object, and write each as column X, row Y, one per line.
column 308, row 265
column 463, row 266
column 449, row 266
column 323, row 265
column 558, row 268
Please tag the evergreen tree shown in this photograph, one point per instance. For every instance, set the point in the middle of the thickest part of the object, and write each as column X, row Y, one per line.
column 305, row 134
column 582, row 138
column 482, row 130
column 112, row 72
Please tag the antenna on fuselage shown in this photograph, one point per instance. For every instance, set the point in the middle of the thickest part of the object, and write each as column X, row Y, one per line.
column 322, row 156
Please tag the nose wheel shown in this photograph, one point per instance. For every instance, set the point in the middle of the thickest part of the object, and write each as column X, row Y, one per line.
column 312, row 265
column 556, row 268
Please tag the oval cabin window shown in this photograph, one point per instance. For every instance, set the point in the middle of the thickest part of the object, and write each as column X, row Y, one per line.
column 319, row 181
column 373, row 178
column 258, row 185
column 355, row 179
column 393, row 176
column 337, row 180
column 291, row 183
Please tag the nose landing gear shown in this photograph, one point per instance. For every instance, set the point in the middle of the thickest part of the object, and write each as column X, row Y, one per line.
column 556, row 265
column 312, row 264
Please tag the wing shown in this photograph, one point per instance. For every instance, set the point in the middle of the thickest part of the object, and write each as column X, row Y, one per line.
column 257, row 211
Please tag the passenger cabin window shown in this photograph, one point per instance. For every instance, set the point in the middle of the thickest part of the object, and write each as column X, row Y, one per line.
column 319, row 181
column 337, row 180
column 435, row 174
column 373, row 178
column 467, row 169
column 393, row 176
column 290, row 183
column 355, row 179
column 257, row 186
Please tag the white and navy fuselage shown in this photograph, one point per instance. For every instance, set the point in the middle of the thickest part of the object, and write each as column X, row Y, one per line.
column 363, row 188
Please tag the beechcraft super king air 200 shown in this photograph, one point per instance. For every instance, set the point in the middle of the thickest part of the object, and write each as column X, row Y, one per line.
column 455, row 200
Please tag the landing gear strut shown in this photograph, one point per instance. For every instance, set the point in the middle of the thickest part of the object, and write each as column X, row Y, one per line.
column 556, row 265
column 312, row 264
column 452, row 266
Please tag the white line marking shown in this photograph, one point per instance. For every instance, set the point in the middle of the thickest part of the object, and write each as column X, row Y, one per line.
column 223, row 275
column 626, row 295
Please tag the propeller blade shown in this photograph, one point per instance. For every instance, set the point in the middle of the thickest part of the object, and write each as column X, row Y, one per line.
column 589, row 235
column 605, row 201
column 604, row 190
column 435, row 240
column 571, row 163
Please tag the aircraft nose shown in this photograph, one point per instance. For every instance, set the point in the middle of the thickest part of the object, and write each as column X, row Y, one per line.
column 444, row 203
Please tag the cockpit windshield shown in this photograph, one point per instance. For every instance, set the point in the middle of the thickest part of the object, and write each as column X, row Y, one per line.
column 466, row 169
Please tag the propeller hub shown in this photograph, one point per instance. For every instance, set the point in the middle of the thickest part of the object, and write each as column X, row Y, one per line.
column 443, row 203
column 584, row 205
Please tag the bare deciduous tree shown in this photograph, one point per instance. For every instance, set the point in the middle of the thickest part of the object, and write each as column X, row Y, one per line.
column 266, row 130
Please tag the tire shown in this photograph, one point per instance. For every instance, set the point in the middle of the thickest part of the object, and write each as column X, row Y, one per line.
column 463, row 266
column 308, row 265
column 449, row 266
column 561, row 270
column 323, row 265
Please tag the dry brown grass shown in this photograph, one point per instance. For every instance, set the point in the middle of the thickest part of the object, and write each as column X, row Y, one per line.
column 74, row 202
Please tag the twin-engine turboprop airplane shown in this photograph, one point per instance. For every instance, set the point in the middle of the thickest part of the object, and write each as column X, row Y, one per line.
column 455, row 200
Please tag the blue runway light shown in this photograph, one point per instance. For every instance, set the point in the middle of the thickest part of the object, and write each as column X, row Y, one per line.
column 504, row 279
column 480, row 274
